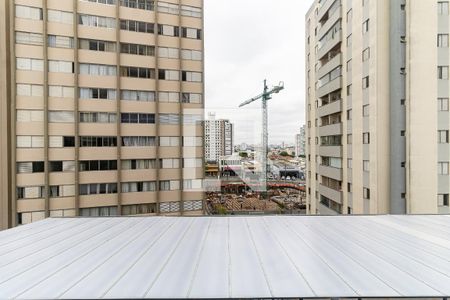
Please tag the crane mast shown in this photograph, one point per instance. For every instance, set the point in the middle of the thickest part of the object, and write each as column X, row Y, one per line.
column 265, row 97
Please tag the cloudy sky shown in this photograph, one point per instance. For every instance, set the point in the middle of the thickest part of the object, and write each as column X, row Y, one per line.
column 245, row 42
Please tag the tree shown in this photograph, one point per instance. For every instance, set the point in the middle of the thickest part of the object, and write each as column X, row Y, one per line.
column 284, row 153
column 243, row 154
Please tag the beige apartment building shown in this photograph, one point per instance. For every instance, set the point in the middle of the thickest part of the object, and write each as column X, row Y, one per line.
column 101, row 108
column 377, row 106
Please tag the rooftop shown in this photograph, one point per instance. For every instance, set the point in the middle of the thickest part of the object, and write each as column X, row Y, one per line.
column 227, row 257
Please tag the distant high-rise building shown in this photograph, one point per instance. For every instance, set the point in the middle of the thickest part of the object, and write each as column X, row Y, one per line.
column 300, row 142
column 377, row 107
column 218, row 138
column 101, row 108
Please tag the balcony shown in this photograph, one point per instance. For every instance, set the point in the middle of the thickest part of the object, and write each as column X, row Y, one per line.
column 332, row 129
column 330, row 44
column 332, row 151
column 324, row 8
column 330, row 65
column 330, row 172
column 336, row 15
column 330, row 87
column 334, row 195
column 331, row 108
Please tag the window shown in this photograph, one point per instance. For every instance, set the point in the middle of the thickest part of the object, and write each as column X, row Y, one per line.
column 349, row 114
column 98, row 165
column 97, row 93
column 191, row 54
column 189, row 119
column 28, row 12
column 168, row 30
column 169, row 119
column 366, row 193
column 99, row 211
column 167, row 207
column 30, row 141
column 443, row 72
column 349, row 40
column 30, row 167
column 168, row 8
column 349, row 187
column 98, row 70
column 349, row 65
column 145, row 96
column 191, row 98
column 349, row 15
column 169, row 141
column 110, row 2
column 443, row 200
column 191, row 76
column 138, row 141
column 443, row 104
column 62, row 166
column 61, row 141
column 138, row 164
column 349, row 139
column 366, row 54
column 442, row 40
column 98, row 141
column 137, row 49
column 138, row 187
column 98, row 188
column 96, row 21
column 366, row 138
column 365, row 26
column 169, row 163
column 349, row 163
column 365, row 82
column 443, row 136
column 140, row 4
column 192, row 141
column 61, row 191
column 443, row 168
column 173, row 97
column 366, row 110
column 165, row 52
column 191, row 33
column 137, row 118
column 190, row 11
column 168, row 75
column 349, row 90
column 29, row 64
column 61, row 66
column 61, row 117
column 97, row 117
column 192, row 184
column 30, row 192
column 97, row 45
column 443, row 7
column 137, row 26
column 59, row 16
column 366, row 166
column 365, row 2
column 29, row 115
column 59, row 41
column 169, row 185
column 29, row 38
column 136, row 72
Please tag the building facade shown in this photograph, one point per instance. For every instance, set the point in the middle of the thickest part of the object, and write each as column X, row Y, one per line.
column 300, row 142
column 218, row 138
column 102, row 102
column 377, row 94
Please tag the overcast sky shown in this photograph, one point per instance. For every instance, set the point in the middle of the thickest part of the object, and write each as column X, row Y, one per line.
column 245, row 42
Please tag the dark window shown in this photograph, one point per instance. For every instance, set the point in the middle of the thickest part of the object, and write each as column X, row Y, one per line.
column 38, row 166
column 56, row 166
column 69, row 141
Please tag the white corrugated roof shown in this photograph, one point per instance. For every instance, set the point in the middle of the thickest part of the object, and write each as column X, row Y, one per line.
column 227, row 257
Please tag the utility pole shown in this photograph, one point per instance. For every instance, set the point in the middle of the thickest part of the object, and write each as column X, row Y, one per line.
column 265, row 96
